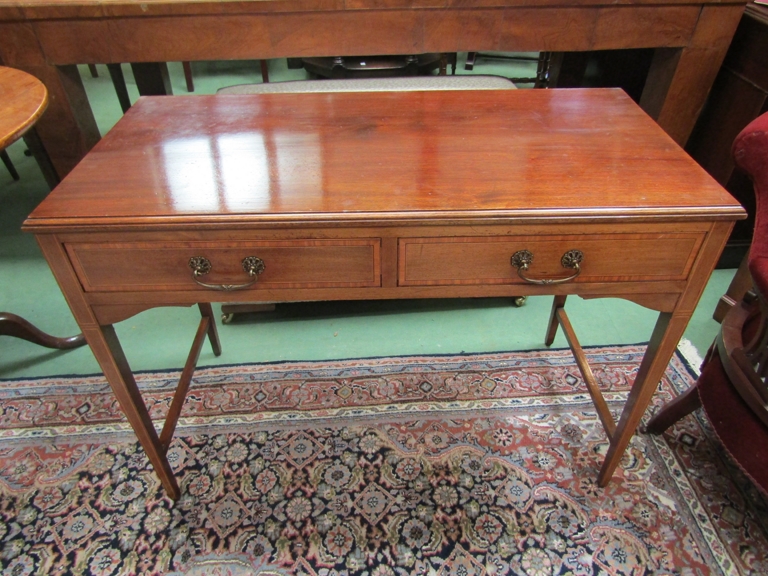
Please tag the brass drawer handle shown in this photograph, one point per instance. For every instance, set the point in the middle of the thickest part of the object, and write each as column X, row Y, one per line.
column 572, row 259
column 201, row 266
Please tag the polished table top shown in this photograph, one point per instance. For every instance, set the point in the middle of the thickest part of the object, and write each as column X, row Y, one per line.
column 23, row 99
column 410, row 155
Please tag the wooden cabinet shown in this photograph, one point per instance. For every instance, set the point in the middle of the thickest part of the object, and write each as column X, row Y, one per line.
column 738, row 96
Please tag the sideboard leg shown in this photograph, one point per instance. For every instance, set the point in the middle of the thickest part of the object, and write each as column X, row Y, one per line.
column 672, row 95
column 213, row 333
column 109, row 353
column 666, row 334
column 558, row 302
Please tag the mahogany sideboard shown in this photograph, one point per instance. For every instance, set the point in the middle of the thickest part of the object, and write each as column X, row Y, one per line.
column 738, row 96
column 389, row 195
column 48, row 37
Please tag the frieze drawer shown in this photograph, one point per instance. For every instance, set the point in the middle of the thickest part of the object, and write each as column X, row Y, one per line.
column 269, row 264
column 601, row 258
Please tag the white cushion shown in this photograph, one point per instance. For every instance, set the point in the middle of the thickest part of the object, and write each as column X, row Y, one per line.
column 396, row 84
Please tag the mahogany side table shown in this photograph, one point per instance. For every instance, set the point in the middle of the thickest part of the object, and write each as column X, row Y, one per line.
column 383, row 195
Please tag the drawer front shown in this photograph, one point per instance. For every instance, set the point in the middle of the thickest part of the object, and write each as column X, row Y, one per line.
column 134, row 266
column 486, row 260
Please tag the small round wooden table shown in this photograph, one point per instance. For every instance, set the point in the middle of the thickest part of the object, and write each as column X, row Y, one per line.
column 23, row 99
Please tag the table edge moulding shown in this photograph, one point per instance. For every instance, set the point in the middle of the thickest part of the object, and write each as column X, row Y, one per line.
column 389, row 195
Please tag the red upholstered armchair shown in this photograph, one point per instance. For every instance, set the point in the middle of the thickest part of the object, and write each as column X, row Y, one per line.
column 731, row 387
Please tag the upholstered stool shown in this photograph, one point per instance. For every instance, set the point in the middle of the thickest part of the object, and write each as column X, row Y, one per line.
column 398, row 84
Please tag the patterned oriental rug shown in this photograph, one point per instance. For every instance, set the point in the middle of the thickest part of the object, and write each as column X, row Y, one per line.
column 481, row 464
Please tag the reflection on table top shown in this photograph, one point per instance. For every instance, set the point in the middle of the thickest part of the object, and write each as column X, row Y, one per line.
column 259, row 156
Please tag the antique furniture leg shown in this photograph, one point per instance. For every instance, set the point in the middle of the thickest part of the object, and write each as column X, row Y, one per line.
column 559, row 317
column 35, row 145
column 8, row 164
column 118, row 81
column 660, row 349
column 740, row 285
column 152, row 78
column 106, row 347
column 206, row 310
column 109, row 353
column 470, row 63
column 188, row 76
column 666, row 335
column 12, row 325
column 681, row 406
column 559, row 302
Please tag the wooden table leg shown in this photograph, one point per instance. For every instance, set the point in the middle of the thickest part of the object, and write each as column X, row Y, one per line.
column 35, row 145
column 674, row 94
column 118, row 81
column 559, row 302
column 8, row 164
column 669, row 328
column 110, row 356
column 187, row 66
column 470, row 63
column 213, row 334
column 152, row 78
column 666, row 334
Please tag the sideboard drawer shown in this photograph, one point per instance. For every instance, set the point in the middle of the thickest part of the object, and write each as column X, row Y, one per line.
column 487, row 260
column 131, row 266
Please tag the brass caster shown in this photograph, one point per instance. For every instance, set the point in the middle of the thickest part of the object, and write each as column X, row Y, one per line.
column 227, row 318
column 519, row 300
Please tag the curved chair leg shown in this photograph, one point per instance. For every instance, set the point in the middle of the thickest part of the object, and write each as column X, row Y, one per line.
column 673, row 411
column 12, row 325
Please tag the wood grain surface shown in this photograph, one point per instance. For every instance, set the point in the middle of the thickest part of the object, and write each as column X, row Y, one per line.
column 23, row 99
column 326, row 157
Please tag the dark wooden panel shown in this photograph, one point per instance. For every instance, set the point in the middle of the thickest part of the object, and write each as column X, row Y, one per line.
column 739, row 95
